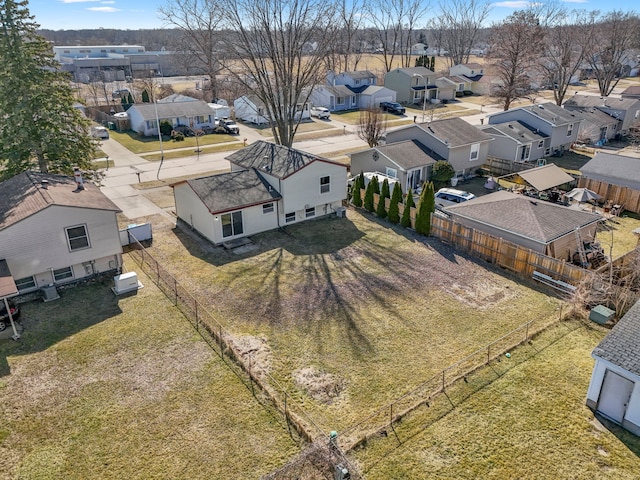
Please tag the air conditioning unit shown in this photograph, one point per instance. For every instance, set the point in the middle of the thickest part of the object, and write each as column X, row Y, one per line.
column 341, row 473
column 126, row 282
column 341, row 212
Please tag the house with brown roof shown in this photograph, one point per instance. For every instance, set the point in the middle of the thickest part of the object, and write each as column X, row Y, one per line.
column 52, row 232
column 631, row 92
column 452, row 139
column 614, row 390
column 269, row 186
column 541, row 226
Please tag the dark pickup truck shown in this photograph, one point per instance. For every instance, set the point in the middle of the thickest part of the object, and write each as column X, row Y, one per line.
column 392, row 107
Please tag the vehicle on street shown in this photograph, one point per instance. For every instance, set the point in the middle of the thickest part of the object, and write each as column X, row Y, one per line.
column 450, row 196
column 320, row 112
column 228, row 125
column 392, row 107
column 100, row 132
column 4, row 316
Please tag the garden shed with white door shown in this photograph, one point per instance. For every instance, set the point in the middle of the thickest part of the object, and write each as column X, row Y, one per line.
column 614, row 391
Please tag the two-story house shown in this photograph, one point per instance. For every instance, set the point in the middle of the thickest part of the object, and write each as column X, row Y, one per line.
column 463, row 145
column 625, row 110
column 52, row 232
column 412, row 84
column 269, row 186
column 351, row 90
column 559, row 125
column 144, row 117
column 471, row 75
column 516, row 141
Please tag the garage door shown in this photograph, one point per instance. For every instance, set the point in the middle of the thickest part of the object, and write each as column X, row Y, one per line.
column 384, row 99
column 614, row 396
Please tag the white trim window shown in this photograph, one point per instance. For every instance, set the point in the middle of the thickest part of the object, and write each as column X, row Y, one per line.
column 392, row 172
column 290, row 217
column 26, row 283
column 570, row 130
column 77, row 237
column 231, row 224
column 541, row 144
column 267, row 208
column 325, row 184
column 62, row 274
column 475, row 151
column 310, row 212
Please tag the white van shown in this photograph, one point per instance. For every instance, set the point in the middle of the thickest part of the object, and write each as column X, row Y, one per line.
column 450, row 196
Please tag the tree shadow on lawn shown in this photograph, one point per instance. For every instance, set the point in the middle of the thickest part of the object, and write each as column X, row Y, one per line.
column 46, row 324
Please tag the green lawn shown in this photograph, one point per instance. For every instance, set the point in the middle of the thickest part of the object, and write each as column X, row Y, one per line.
column 155, row 157
column 139, row 144
column 369, row 309
column 523, row 418
column 121, row 387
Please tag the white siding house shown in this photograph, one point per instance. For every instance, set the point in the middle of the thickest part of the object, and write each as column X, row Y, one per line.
column 249, row 108
column 614, row 390
column 53, row 233
column 269, row 186
column 194, row 114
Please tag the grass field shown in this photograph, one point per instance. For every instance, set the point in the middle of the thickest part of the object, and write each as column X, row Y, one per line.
column 369, row 310
column 139, row 144
column 523, row 418
column 121, row 387
column 226, row 147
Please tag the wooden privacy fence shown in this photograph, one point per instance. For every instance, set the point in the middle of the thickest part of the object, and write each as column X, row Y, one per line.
column 625, row 196
column 509, row 255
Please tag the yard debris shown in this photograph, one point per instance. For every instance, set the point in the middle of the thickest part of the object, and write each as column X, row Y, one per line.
column 321, row 386
column 254, row 352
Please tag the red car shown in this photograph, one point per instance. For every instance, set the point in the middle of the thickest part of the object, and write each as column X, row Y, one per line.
column 4, row 316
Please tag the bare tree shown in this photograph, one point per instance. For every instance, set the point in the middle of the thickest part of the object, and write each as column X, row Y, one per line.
column 372, row 125
column 457, row 25
column 394, row 22
column 345, row 51
column 516, row 44
column 608, row 42
column 278, row 44
column 198, row 22
column 563, row 52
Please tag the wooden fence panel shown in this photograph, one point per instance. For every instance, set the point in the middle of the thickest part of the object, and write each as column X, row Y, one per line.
column 627, row 197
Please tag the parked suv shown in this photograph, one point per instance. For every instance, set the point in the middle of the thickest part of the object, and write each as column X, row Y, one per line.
column 320, row 112
column 4, row 316
column 392, row 107
column 450, row 196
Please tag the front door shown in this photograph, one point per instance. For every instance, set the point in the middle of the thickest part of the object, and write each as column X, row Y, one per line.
column 614, row 396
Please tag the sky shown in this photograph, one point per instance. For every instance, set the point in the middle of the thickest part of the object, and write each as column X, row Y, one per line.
column 138, row 14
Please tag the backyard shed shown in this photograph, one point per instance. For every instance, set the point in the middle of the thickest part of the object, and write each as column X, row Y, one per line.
column 541, row 226
column 615, row 178
column 614, row 390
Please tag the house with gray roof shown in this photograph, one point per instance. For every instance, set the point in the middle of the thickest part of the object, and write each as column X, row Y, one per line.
column 412, row 84
column 144, row 117
column 615, row 178
column 626, row 110
column 516, row 141
column 251, row 109
column 597, row 127
column 614, row 389
column 541, row 226
column 559, row 125
column 452, row 139
column 334, row 97
column 631, row 92
column 53, row 232
column 409, row 161
column 350, row 91
column 269, row 186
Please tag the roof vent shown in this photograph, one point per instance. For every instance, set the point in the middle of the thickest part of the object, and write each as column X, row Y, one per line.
column 44, row 184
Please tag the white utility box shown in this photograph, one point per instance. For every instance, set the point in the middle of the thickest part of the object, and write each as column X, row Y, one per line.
column 126, row 282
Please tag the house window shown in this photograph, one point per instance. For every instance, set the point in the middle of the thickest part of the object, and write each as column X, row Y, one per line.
column 267, row 208
column 392, row 172
column 325, row 184
column 357, row 82
column 201, row 119
column 290, row 217
column 231, row 224
column 417, row 94
column 62, row 273
column 353, row 100
column 541, row 144
column 340, row 100
column 570, row 130
column 525, row 150
column 475, row 149
column 547, row 151
column 310, row 212
column 461, row 87
column 77, row 237
column 25, row 283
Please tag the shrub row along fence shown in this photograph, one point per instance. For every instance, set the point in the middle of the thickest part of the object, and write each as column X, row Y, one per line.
column 386, row 417
column 516, row 258
column 221, row 342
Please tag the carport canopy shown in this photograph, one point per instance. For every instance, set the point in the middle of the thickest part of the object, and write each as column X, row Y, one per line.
column 7, row 284
column 546, row 177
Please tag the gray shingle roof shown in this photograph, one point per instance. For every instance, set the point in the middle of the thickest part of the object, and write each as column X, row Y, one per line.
column 621, row 345
column 359, row 74
column 585, row 101
column 22, row 196
column 455, row 132
column 537, row 220
column 552, row 113
column 597, row 117
column 409, row 154
column 519, row 131
column 173, row 109
column 231, row 191
column 615, row 169
column 276, row 160
column 415, row 70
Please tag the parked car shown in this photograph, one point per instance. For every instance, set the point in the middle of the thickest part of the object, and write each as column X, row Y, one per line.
column 100, row 132
column 450, row 196
column 228, row 125
column 4, row 316
column 392, row 107
column 320, row 112
column 123, row 93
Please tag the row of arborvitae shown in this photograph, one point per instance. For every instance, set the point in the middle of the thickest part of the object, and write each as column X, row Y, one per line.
column 425, row 207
